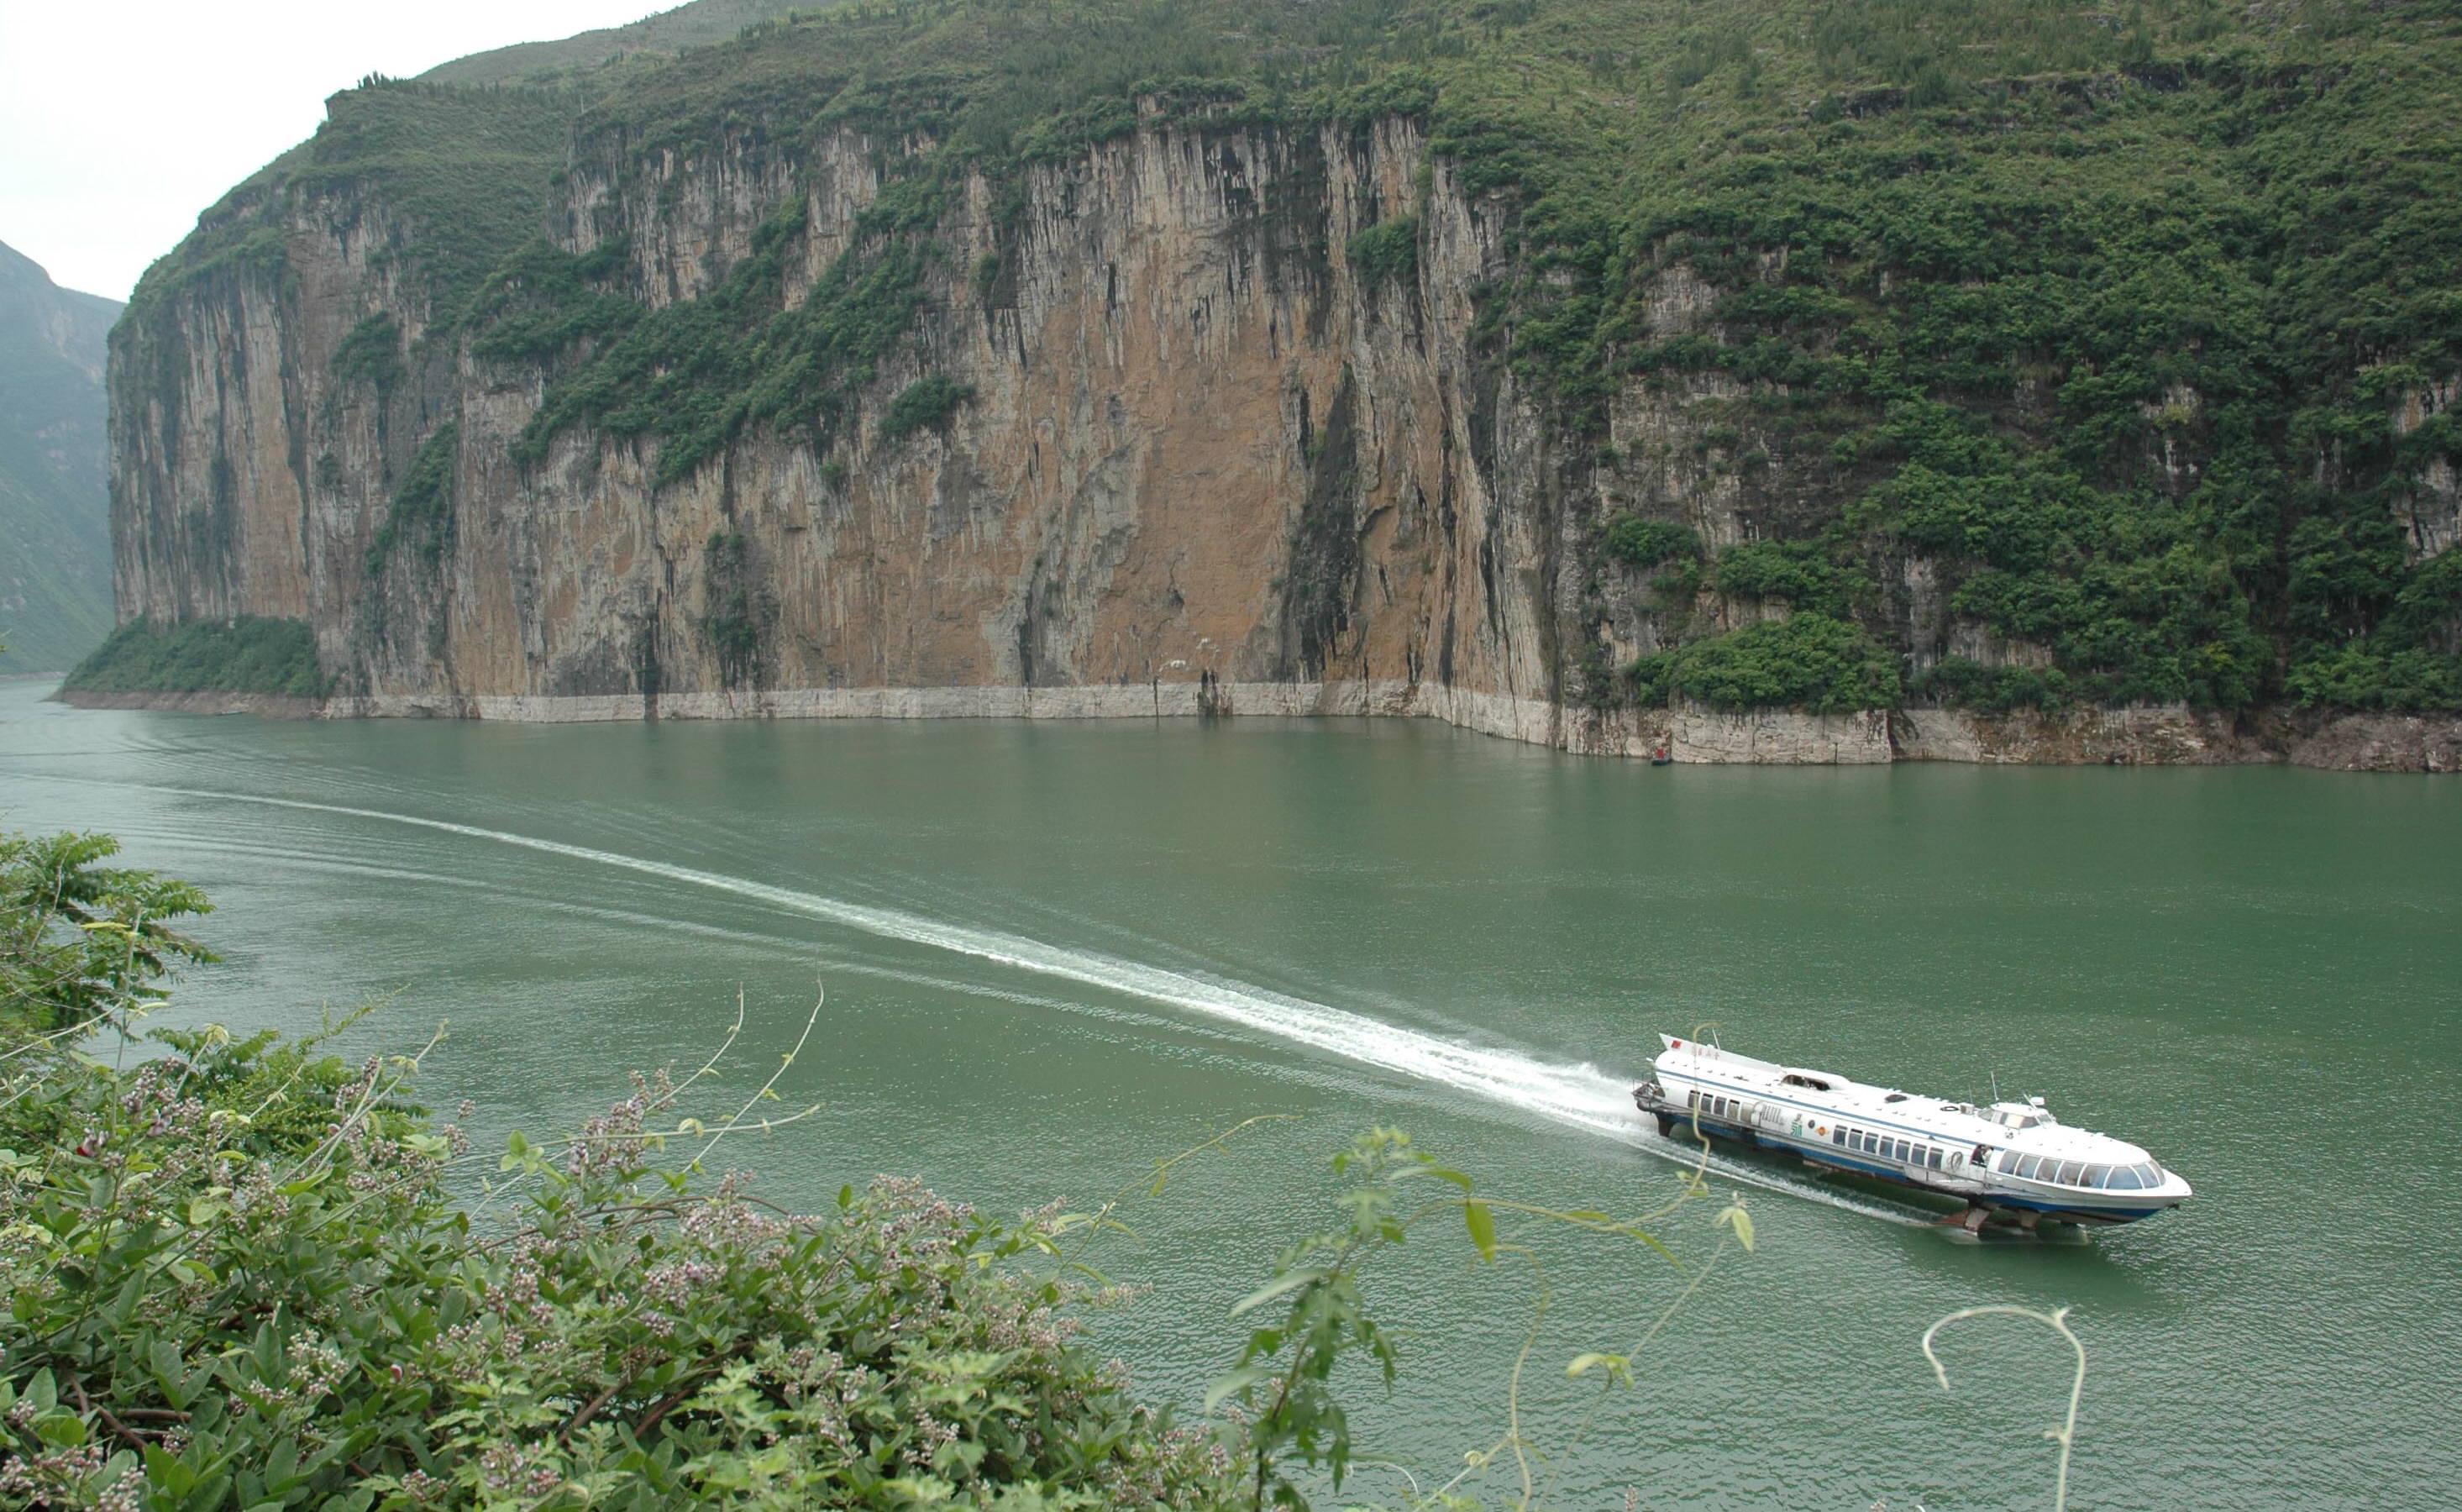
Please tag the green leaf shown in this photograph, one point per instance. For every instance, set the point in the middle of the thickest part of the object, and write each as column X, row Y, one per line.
column 846, row 1196
column 1482, row 1228
column 1741, row 1221
column 1289, row 1283
column 1584, row 1364
column 1232, row 1385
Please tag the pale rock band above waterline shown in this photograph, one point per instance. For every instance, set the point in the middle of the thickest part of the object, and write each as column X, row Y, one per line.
column 2150, row 735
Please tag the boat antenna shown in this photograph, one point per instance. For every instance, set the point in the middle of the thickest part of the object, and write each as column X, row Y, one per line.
column 1996, row 1087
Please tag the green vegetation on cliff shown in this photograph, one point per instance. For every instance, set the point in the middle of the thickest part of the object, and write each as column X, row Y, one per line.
column 420, row 516
column 2129, row 334
column 1808, row 662
column 466, row 171
column 247, row 655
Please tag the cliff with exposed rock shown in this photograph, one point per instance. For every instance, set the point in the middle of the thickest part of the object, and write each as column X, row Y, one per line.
column 772, row 380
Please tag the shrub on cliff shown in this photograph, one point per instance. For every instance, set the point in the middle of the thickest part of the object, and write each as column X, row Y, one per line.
column 246, row 655
column 1810, row 662
column 1644, row 544
column 924, row 404
column 1387, row 252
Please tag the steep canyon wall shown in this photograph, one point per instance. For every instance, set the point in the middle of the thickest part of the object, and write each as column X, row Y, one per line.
column 1193, row 455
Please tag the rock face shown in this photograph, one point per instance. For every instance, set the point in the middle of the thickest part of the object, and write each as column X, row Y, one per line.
column 1200, row 449
column 54, row 553
column 1203, row 460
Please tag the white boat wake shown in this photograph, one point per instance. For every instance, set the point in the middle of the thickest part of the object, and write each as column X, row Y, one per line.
column 1581, row 1097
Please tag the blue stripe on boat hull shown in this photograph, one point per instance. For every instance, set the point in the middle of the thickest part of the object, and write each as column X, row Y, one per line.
column 1828, row 1156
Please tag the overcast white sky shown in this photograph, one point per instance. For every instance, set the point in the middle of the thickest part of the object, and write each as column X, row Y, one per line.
column 121, row 120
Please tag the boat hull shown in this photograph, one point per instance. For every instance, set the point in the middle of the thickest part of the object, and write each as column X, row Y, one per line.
column 1676, row 1120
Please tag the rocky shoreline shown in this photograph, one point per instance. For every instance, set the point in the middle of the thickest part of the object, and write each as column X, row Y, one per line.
column 2143, row 735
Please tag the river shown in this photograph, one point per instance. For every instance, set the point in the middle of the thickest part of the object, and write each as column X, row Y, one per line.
column 1055, row 953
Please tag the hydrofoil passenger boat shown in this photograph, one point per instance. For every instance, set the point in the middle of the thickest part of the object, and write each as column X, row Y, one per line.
column 2012, row 1162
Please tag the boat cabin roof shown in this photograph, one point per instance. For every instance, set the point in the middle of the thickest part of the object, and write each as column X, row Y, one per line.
column 2026, row 1126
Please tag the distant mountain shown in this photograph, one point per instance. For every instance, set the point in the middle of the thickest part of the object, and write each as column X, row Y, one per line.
column 54, row 488
column 655, row 37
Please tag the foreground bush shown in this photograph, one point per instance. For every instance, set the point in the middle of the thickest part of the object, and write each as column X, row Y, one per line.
column 246, row 1274
column 237, row 1278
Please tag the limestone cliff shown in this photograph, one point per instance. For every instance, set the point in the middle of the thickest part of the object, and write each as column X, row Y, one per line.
column 1200, row 446
column 1213, row 409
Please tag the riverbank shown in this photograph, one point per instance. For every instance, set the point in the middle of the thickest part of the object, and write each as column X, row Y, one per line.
column 2140, row 735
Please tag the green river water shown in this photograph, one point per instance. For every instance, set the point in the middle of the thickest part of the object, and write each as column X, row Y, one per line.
column 1055, row 953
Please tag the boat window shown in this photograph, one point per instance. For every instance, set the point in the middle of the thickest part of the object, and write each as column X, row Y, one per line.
column 1931, row 1157
column 2026, row 1165
column 2097, row 1175
column 1838, row 1137
column 1900, row 1153
column 2124, row 1179
column 2071, row 1171
column 2152, row 1175
column 1693, row 1099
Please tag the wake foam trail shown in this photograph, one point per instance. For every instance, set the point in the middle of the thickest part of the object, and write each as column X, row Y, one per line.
column 1581, row 1097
